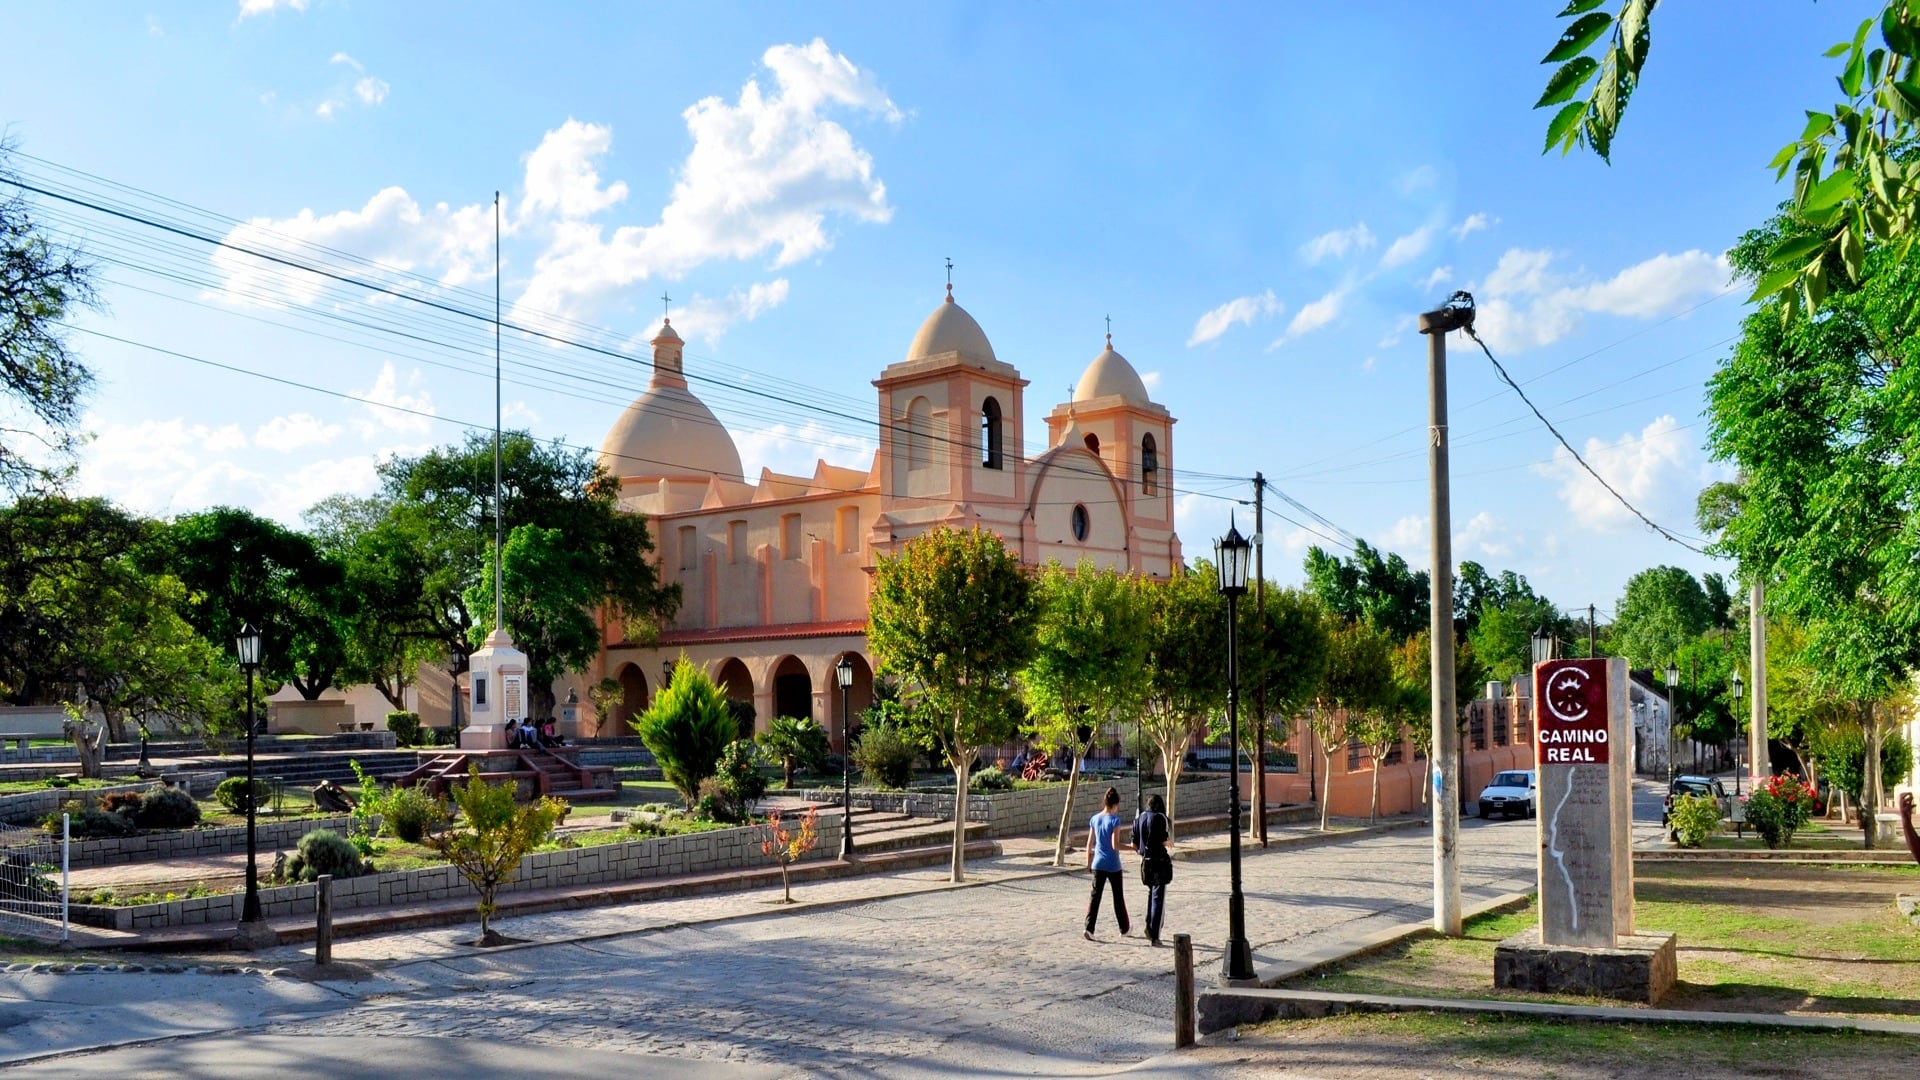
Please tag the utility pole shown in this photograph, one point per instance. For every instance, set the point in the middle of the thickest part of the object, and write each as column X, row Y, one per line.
column 1260, row 629
column 1593, row 630
column 1758, row 764
column 1454, row 315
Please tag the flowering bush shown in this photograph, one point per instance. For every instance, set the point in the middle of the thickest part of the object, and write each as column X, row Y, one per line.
column 1694, row 818
column 1779, row 807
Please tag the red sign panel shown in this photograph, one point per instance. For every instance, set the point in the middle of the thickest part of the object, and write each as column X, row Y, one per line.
column 1570, row 709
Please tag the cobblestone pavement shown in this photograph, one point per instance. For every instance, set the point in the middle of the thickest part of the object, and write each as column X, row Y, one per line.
column 990, row 979
column 899, row 974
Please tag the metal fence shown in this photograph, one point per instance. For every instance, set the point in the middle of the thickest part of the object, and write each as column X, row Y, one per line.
column 33, row 883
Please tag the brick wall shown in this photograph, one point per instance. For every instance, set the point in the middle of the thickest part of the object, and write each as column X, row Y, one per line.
column 271, row 836
column 28, row 807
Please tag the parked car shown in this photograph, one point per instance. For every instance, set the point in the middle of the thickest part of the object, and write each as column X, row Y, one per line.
column 1694, row 785
column 1512, row 794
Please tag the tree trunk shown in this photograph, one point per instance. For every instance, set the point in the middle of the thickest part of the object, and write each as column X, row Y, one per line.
column 116, row 724
column 786, row 882
column 786, row 765
column 1373, row 812
column 963, row 758
column 1870, row 778
column 395, row 691
column 1060, row 847
column 1326, row 792
column 1173, row 762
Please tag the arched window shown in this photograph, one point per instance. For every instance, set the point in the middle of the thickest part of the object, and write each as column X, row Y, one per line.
column 1149, row 465
column 919, row 434
column 1093, row 443
column 990, row 439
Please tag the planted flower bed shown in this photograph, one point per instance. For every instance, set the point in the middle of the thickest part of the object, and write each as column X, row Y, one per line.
column 27, row 808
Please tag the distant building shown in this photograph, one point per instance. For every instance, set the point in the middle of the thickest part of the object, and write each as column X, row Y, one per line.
column 774, row 571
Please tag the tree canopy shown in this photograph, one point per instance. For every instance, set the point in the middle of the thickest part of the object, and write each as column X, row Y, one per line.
column 1662, row 610
column 1391, row 596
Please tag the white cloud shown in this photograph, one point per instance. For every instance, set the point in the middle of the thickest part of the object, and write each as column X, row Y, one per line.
column 453, row 246
column 519, row 410
column 1440, row 276
column 1411, row 539
column 343, row 58
column 386, row 391
column 1338, row 243
column 709, row 318
column 1150, row 380
column 1525, row 302
column 1418, row 178
column 1408, row 248
column 158, row 466
column 1240, row 311
column 367, row 90
column 154, row 29
column 262, row 7
column 1473, row 223
column 1484, row 535
column 764, row 175
column 294, row 431
column 1313, row 316
column 1367, row 365
column 1657, row 470
column 795, row 451
column 371, row 91
column 287, row 497
column 561, row 177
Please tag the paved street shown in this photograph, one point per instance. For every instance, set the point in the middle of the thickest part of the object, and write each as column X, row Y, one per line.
column 927, row 980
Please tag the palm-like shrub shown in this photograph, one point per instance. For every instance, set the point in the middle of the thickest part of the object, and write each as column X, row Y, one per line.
column 796, row 740
column 687, row 729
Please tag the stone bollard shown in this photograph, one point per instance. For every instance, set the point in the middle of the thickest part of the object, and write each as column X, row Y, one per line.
column 323, row 921
column 1182, row 991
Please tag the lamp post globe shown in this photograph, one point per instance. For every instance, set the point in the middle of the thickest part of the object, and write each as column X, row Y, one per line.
column 843, row 674
column 254, row 931
column 1232, row 554
column 1542, row 646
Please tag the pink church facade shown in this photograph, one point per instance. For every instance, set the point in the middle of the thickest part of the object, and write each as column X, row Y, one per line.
column 774, row 571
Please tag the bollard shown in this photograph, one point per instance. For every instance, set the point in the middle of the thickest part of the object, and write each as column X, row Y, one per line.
column 1182, row 991
column 323, row 921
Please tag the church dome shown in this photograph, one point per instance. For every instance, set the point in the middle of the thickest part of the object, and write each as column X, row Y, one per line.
column 669, row 432
column 951, row 329
column 1111, row 375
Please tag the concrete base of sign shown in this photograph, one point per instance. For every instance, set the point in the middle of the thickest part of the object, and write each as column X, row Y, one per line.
column 1642, row 968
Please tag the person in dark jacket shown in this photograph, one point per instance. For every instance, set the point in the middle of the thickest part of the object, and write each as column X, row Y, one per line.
column 1152, row 832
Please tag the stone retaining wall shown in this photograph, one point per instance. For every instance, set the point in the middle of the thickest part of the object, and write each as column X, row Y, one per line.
column 633, row 860
column 28, row 807
column 270, row 836
column 1036, row 810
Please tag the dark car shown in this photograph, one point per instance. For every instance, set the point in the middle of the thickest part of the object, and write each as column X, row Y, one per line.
column 1695, row 785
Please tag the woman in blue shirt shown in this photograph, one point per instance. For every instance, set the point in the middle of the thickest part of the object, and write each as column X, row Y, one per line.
column 1104, row 861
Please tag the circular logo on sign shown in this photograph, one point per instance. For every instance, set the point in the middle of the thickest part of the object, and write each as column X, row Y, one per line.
column 1567, row 695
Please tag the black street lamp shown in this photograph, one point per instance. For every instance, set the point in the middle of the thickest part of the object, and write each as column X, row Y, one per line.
column 454, row 657
column 1739, row 766
column 1542, row 646
column 666, row 674
column 843, row 673
column 254, row 930
column 1673, row 680
column 1232, row 553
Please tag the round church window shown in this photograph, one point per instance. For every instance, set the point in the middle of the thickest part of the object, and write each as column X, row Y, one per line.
column 1082, row 524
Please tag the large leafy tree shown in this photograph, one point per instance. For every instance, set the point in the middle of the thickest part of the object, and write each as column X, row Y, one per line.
column 1662, row 610
column 592, row 561
column 1381, row 589
column 1822, row 417
column 1186, row 681
column 1356, row 690
column 953, row 616
column 1089, row 666
column 242, row 568
column 42, row 382
column 390, row 628
column 1852, row 185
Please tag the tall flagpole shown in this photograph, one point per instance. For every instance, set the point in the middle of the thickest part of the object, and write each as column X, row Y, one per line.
column 499, row 601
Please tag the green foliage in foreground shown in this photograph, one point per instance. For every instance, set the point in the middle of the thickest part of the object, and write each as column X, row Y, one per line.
column 1694, row 818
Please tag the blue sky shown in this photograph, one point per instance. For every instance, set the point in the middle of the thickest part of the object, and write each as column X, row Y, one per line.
column 1261, row 197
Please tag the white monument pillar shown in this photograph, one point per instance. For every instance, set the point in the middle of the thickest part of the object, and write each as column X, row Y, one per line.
column 498, row 675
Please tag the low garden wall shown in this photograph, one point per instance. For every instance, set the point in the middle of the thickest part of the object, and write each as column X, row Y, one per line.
column 281, row 834
column 1037, row 810
column 28, row 807
column 632, row 860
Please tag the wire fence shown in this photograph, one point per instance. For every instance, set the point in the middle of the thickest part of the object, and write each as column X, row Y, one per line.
column 33, row 876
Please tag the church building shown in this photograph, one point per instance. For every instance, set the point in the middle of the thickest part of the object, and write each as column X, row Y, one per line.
column 774, row 569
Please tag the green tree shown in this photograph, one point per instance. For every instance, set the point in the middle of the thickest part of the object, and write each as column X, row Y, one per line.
column 1089, row 666
column 389, row 629
column 1662, row 610
column 1356, row 689
column 550, row 589
column 1391, row 596
column 493, row 834
column 686, row 729
column 442, row 502
column 1412, row 698
column 42, row 286
column 1853, row 184
column 796, row 740
column 1186, row 681
column 953, row 616
column 1286, row 656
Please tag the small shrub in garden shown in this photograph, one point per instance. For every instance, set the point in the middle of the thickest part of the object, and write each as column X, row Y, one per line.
column 88, row 821
column 1780, row 807
column 738, row 772
column 324, row 851
column 405, row 727
column 120, row 802
column 991, row 778
column 494, row 832
column 232, row 794
column 1694, row 818
column 166, row 808
column 713, row 804
column 411, row 814
column 885, row 755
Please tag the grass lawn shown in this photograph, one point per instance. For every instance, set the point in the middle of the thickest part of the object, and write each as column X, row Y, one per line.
column 19, row 787
column 1415, row 1046
column 1772, row 938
